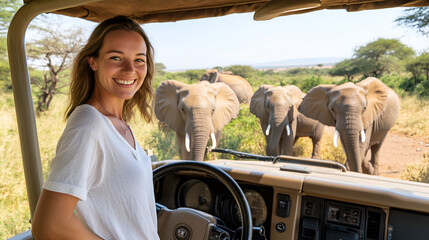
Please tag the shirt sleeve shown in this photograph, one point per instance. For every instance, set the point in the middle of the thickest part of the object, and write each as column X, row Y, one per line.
column 78, row 164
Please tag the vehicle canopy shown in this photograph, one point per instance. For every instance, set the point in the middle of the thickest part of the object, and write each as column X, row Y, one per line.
column 143, row 11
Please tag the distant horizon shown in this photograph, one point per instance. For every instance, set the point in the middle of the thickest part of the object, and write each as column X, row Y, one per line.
column 287, row 63
column 237, row 39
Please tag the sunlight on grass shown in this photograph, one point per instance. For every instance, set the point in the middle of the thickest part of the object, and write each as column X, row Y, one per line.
column 14, row 213
column 417, row 125
column 304, row 148
column 418, row 172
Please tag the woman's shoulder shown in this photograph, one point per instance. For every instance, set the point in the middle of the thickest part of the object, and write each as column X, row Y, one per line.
column 86, row 116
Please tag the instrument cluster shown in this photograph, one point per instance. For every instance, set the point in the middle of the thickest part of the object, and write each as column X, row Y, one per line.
column 209, row 195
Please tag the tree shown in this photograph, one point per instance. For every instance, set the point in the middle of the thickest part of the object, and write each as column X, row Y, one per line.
column 417, row 18
column 383, row 55
column 241, row 70
column 54, row 50
column 160, row 68
column 347, row 68
column 7, row 9
column 419, row 67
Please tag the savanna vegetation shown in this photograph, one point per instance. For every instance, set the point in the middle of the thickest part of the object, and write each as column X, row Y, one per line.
column 395, row 64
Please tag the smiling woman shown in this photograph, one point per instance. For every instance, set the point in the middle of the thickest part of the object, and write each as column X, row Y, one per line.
column 98, row 160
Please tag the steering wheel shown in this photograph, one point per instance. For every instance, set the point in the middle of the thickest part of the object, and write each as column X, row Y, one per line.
column 188, row 223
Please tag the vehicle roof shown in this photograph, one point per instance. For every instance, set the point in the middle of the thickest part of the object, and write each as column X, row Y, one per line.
column 147, row 11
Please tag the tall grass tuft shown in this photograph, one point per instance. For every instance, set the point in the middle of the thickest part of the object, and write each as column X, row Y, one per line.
column 417, row 125
column 417, row 172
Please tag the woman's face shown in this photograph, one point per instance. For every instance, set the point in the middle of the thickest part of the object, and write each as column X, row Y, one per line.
column 120, row 67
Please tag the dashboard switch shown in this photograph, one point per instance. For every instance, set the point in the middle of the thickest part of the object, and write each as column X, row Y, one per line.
column 280, row 227
column 283, row 205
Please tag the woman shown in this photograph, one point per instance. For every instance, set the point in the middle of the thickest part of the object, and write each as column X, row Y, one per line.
column 99, row 170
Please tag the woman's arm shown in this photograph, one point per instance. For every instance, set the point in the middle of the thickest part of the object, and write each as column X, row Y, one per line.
column 54, row 218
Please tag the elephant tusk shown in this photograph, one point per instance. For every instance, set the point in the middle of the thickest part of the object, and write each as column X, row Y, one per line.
column 288, row 129
column 213, row 140
column 336, row 138
column 187, row 143
column 362, row 135
column 267, row 132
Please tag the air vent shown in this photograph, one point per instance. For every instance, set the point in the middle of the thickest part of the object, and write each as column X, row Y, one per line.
column 373, row 226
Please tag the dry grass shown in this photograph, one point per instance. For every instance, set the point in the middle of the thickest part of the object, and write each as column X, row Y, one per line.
column 304, row 148
column 14, row 213
column 413, row 118
column 417, row 172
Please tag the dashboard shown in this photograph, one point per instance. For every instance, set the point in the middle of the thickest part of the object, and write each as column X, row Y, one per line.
column 317, row 204
column 207, row 194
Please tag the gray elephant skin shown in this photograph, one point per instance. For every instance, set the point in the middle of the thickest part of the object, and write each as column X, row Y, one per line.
column 196, row 113
column 239, row 85
column 281, row 122
column 362, row 114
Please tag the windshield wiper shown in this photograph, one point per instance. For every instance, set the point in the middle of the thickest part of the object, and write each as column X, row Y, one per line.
column 282, row 158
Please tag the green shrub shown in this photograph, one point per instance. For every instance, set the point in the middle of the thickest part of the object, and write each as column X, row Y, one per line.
column 163, row 143
column 243, row 134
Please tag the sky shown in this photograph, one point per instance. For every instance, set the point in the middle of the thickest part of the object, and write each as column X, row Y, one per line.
column 238, row 39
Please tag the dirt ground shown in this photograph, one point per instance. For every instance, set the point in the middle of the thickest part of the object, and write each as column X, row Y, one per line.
column 398, row 151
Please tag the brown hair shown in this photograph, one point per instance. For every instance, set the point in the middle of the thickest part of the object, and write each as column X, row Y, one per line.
column 83, row 79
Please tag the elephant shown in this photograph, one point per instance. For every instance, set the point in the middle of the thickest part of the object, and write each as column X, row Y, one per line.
column 196, row 113
column 281, row 122
column 362, row 114
column 239, row 85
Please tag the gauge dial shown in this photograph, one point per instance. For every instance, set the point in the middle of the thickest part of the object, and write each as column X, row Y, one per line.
column 258, row 208
column 195, row 194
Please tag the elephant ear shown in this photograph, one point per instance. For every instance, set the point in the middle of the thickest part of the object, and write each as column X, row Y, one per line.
column 257, row 103
column 226, row 105
column 214, row 76
column 315, row 105
column 166, row 104
column 376, row 99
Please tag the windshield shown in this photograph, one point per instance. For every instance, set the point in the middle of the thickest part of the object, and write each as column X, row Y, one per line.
column 325, row 47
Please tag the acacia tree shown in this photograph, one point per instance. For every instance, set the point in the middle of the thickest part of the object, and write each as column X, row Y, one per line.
column 419, row 67
column 54, row 51
column 349, row 68
column 383, row 55
column 417, row 18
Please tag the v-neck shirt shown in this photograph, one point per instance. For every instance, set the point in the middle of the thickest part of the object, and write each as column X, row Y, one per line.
column 113, row 180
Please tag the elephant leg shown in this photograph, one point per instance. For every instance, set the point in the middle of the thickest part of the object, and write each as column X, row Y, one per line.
column 316, row 138
column 366, row 164
column 375, row 160
column 316, row 147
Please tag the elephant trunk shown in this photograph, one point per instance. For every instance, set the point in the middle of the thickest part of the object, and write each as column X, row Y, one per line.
column 352, row 135
column 275, row 138
column 200, row 130
column 198, row 146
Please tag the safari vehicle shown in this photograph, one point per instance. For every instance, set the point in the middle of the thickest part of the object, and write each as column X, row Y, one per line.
column 260, row 198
